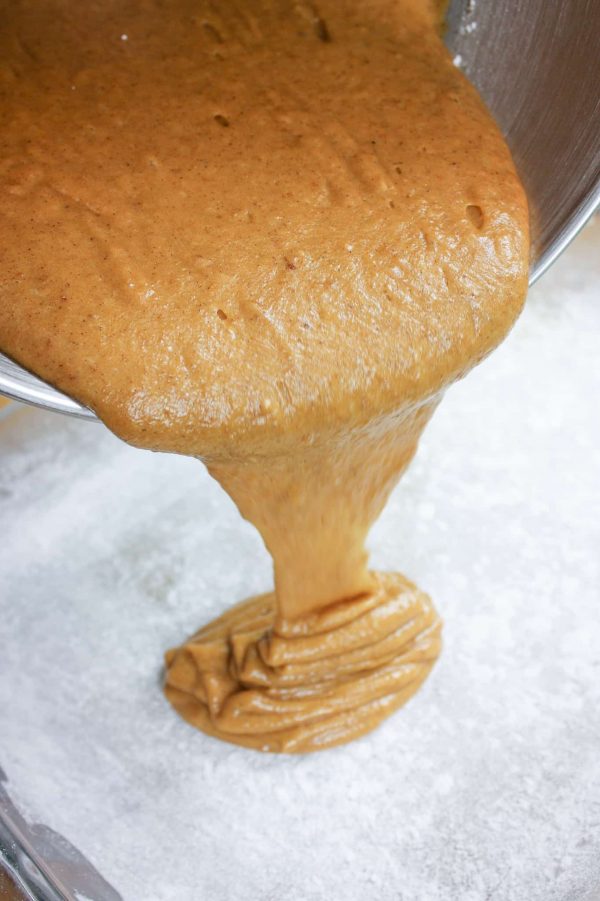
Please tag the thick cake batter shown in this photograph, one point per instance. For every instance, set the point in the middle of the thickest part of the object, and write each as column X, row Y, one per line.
column 267, row 234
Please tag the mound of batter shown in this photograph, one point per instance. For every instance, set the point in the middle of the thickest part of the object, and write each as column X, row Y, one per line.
column 268, row 234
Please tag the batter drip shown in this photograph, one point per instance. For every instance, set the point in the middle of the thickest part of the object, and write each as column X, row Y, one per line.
column 300, row 669
column 267, row 234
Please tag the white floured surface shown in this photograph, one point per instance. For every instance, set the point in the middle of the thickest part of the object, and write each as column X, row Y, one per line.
column 486, row 786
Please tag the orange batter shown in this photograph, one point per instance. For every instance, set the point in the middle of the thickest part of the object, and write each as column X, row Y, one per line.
column 268, row 234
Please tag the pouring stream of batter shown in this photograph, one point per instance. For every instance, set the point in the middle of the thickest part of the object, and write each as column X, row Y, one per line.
column 268, row 234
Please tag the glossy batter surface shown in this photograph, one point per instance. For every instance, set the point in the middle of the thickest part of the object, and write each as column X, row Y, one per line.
column 268, row 234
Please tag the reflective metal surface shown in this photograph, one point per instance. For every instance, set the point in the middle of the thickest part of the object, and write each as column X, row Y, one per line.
column 43, row 864
column 536, row 64
column 18, row 384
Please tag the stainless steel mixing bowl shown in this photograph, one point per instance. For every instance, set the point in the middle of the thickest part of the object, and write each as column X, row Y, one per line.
column 537, row 65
